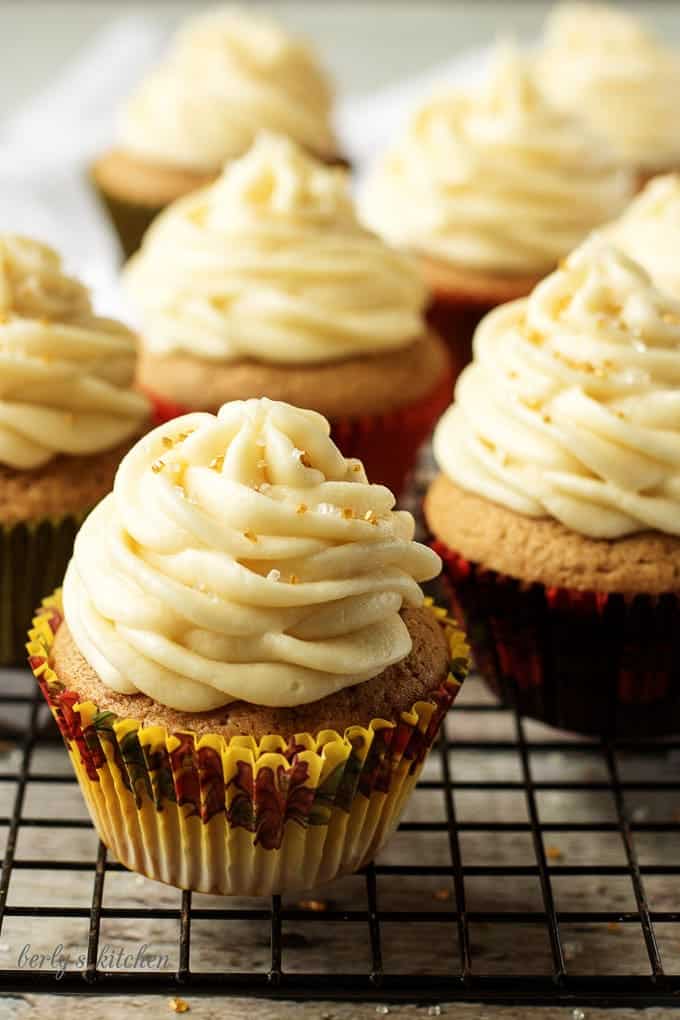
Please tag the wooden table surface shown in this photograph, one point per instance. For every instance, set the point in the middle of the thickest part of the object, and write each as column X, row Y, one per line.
column 311, row 946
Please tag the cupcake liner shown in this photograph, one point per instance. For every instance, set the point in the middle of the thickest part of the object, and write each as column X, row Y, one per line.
column 237, row 816
column 130, row 220
column 387, row 444
column 456, row 321
column 33, row 559
column 592, row 662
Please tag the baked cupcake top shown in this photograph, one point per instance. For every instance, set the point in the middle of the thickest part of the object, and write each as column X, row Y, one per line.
column 496, row 180
column 271, row 263
column 604, row 64
column 229, row 74
column 65, row 373
column 571, row 406
column 242, row 557
column 649, row 231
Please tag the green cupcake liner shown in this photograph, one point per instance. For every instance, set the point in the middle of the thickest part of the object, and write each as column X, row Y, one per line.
column 130, row 220
column 33, row 559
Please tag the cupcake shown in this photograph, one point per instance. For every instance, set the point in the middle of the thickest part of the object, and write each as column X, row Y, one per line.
column 229, row 74
column 489, row 189
column 649, row 231
column 243, row 666
column 605, row 65
column 265, row 284
column 557, row 510
column 67, row 415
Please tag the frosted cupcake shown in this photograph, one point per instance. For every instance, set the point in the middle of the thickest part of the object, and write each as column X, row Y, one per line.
column 244, row 668
column 265, row 284
column 67, row 415
column 557, row 511
column 490, row 189
column 229, row 74
column 608, row 67
column 649, row 232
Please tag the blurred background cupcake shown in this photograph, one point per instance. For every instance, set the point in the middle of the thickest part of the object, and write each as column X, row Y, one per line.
column 489, row 188
column 265, row 284
column 649, row 231
column 229, row 74
column 243, row 628
column 67, row 415
column 557, row 512
column 604, row 64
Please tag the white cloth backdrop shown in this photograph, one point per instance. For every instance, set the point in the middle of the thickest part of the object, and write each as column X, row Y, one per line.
column 44, row 147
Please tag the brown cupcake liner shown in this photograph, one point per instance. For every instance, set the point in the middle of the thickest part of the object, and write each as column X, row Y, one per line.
column 387, row 444
column 595, row 663
column 238, row 816
column 33, row 559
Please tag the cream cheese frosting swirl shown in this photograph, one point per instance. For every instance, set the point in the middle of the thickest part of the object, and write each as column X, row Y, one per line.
column 605, row 65
column 494, row 181
column 243, row 557
column 571, row 406
column 65, row 373
column 271, row 263
column 229, row 74
column 649, row 231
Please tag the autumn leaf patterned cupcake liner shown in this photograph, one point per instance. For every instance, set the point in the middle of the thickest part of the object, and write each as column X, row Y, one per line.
column 238, row 817
column 387, row 444
column 595, row 663
column 33, row 559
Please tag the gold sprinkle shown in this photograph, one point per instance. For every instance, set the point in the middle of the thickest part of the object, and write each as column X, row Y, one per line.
column 167, row 441
column 250, row 535
column 371, row 517
column 157, row 466
column 304, row 459
column 315, row 906
column 553, row 853
column 184, row 435
column 347, row 513
column 179, row 1005
column 442, row 895
column 217, row 463
column 293, row 579
column 356, row 467
column 302, row 509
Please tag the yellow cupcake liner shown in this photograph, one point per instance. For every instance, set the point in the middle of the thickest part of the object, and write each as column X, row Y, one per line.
column 33, row 559
column 237, row 816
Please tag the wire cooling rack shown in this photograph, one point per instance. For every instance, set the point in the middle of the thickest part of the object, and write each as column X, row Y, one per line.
column 445, row 915
column 531, row 867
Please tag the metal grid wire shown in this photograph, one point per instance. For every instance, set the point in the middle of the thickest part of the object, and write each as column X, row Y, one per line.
column 485, row 733
column 564, row 986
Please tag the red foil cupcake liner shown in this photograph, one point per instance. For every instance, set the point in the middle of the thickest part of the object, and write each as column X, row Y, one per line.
column 592, row 662
column 456, row 322
column 387, row 444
